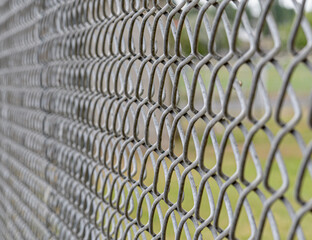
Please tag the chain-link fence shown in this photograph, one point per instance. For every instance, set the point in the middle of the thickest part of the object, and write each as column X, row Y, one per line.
column 155, row 119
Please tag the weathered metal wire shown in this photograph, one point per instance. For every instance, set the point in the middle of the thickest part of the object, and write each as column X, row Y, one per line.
column 108, row 115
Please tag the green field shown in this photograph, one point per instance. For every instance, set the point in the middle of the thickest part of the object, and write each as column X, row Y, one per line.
column 289, row 149
column 291, row 155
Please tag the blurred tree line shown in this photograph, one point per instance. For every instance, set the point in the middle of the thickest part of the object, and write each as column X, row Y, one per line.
column 283, row 16
column 285, row 19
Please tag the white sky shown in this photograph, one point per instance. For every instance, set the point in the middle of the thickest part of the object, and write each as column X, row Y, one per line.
column 289, row 4
column 255, row 7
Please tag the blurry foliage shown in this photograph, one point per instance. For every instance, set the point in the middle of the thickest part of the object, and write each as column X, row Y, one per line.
column 284, row 18
column 301, row 40
column 281, row 14
column 221, row 41
column 285, row 30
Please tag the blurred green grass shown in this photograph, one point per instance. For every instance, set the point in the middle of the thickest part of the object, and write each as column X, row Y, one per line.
column 291, row 156
column 289, row 149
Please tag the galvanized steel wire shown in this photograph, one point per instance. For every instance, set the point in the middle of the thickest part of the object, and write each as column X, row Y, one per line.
column 91, row 114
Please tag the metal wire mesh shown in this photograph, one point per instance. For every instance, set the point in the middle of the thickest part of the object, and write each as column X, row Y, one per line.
column 116, row 124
